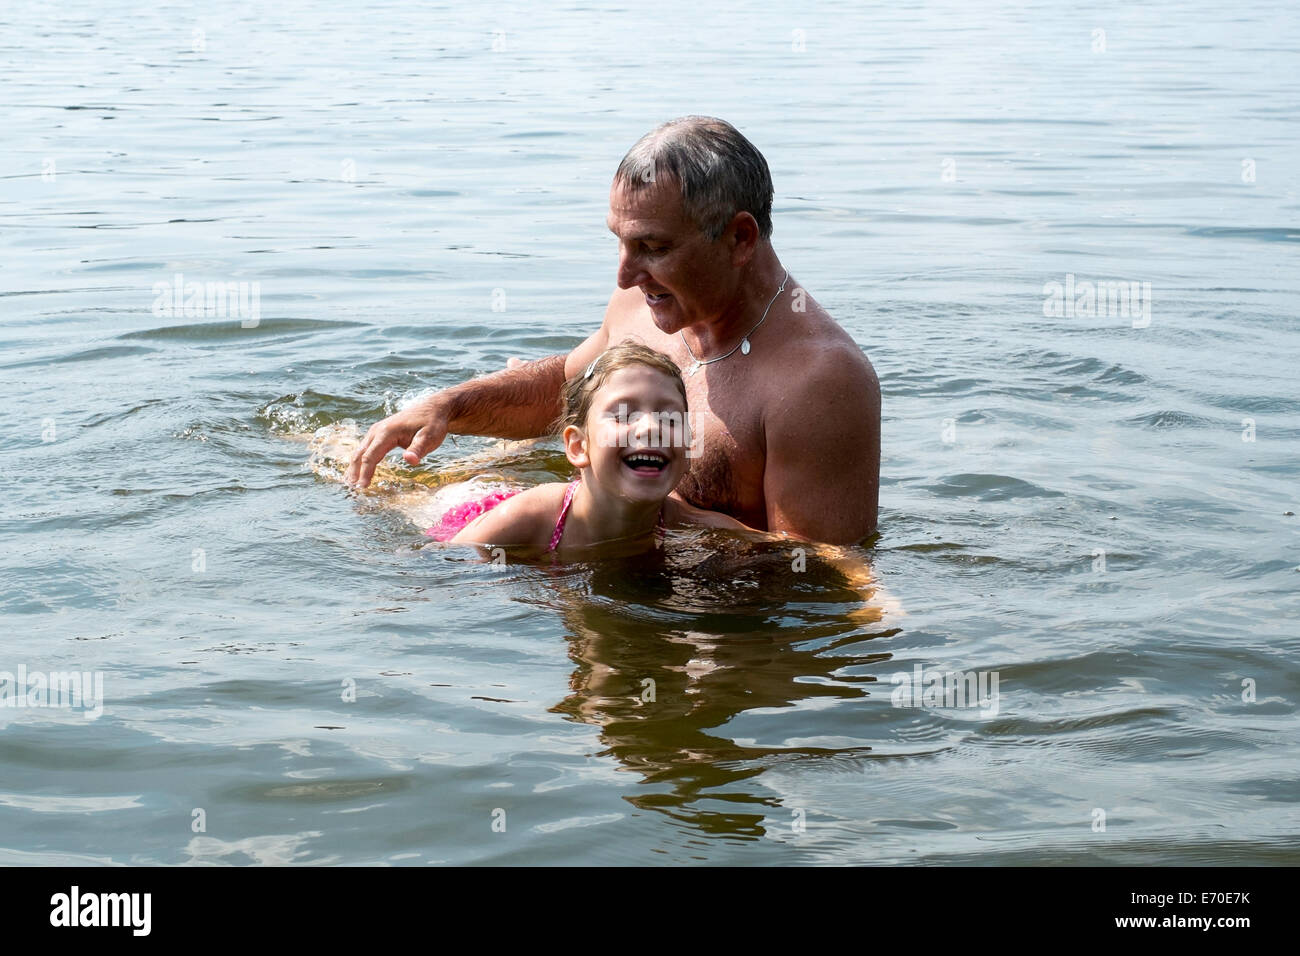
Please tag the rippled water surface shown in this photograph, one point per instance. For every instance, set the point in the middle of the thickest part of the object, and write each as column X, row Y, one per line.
column 1096, row 509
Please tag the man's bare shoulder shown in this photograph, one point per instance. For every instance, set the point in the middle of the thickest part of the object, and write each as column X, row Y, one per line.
column 626, row 314
column 833, row 372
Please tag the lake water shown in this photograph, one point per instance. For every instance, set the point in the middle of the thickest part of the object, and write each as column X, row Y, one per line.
column 1094, row 507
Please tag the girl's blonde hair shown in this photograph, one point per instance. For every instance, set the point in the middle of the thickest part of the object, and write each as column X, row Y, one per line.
column 578, row 391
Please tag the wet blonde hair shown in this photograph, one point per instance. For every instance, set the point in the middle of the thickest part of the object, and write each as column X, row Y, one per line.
column 579, row 390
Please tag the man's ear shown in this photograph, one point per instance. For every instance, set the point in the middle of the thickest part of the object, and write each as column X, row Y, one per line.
column 743, row 235
column 575, row 446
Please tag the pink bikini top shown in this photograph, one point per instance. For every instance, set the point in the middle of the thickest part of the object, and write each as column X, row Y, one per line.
column 564, row 513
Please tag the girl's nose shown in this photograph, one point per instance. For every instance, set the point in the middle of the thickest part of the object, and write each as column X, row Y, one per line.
column 646, row 428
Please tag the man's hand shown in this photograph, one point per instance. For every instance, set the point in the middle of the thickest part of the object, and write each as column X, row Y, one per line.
column 419, row 428
column 518, row 402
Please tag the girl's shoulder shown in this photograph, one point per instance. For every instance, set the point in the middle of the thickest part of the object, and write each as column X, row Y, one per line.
column 525, row 519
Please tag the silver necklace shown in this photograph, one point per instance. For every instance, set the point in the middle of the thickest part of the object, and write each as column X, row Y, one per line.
column 743, row 345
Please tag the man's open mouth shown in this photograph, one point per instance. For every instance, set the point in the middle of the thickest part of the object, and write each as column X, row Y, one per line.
column 656, row 298
column 646, row 461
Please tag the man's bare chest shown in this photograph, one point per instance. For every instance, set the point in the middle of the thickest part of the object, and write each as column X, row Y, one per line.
column 727, row 461
column 725, row 403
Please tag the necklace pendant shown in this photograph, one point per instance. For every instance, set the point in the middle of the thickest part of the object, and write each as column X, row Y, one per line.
column 744, row 346
column 694, row 367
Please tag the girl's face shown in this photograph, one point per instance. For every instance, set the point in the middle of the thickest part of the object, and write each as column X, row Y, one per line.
column 636, row 436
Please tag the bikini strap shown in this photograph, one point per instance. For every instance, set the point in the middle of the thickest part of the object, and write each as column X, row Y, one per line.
column 564, row 513
column 558, row 533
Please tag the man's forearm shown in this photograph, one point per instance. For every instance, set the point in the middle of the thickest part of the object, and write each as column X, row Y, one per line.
column 514, row 403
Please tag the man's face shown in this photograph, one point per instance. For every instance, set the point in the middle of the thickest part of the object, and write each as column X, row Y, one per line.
column 686, row 277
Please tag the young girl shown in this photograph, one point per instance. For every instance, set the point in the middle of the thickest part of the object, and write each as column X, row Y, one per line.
column 624, row 427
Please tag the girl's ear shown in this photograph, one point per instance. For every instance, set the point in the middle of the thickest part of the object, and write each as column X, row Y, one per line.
column 575, row 446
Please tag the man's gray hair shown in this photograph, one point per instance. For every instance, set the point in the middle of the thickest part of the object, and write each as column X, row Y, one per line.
column 720, row 173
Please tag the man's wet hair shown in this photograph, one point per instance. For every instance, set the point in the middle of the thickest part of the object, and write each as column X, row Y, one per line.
column 719, row 172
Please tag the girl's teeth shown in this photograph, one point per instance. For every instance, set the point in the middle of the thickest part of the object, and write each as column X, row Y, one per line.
column 648, row 461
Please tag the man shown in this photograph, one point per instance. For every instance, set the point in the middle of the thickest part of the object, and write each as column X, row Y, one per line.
column 784, row 406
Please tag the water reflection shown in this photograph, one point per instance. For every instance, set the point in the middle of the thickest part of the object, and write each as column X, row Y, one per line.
column 669, row 649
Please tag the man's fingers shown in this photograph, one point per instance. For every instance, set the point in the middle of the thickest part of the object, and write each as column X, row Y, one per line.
column 354, row 465
column 420, row 445
column 370, row 461
column 372, row 452
column 391, row 433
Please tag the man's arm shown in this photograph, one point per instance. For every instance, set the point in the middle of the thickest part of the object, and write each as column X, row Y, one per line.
column 684, row 511
column 821, row 478
column 517, row 403
column 513, row 403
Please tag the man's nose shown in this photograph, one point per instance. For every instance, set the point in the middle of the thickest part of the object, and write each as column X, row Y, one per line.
column 630, row 272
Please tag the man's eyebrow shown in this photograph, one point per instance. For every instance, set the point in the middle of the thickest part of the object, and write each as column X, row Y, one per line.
column 639, row 237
